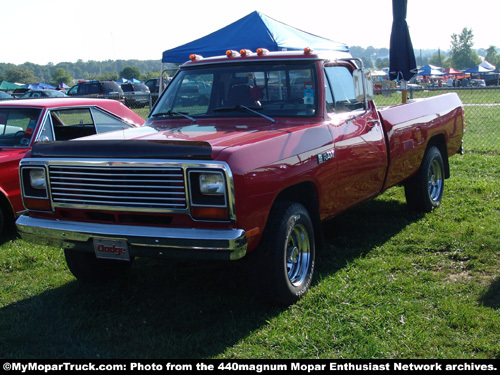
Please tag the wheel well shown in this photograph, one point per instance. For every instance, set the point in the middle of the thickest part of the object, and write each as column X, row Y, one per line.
column 439, row 141
column 306, row 194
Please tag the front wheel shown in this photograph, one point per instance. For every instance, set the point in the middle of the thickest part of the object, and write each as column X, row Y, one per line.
column 424, row 191
column 283, row 264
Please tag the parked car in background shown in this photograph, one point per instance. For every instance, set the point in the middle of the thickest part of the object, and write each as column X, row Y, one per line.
column 477, row 83
column 136, row 94
column 24, row 122
column 42, row 94
column 97, row 89
column 5, row 96
column 153, row 84
column 154, row 89
column 20, row 91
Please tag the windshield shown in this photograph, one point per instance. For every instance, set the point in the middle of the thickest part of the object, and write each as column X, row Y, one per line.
column 272, row 89
column 17, row 126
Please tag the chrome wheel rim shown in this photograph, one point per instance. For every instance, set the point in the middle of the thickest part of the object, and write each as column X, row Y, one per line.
column 298, row 255
column 435, row 180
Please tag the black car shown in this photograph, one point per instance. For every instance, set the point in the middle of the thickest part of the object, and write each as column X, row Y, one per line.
column 136, row 94
column 98, row 89
column 154, row 88
column 153, row 84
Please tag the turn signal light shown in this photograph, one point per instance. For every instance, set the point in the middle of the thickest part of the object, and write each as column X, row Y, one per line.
column 209, row 213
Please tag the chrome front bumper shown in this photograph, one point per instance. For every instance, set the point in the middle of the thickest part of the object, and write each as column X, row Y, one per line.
column 156, row 242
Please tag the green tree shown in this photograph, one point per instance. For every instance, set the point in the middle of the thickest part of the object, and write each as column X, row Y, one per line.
column 492, row 56
column 20, row 75
column 149, row 75
column 130, row 72
column 61, row 76
column 109, row 76
column 439, row 59
column 462, row 54
column 382, row 63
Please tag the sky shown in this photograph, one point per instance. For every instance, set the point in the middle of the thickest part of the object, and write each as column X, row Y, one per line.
column 53, row 31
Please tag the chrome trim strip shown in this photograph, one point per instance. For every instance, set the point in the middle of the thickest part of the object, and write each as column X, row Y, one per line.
column 154, row 240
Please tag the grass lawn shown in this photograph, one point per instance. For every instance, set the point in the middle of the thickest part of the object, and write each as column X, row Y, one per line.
column 391, row 284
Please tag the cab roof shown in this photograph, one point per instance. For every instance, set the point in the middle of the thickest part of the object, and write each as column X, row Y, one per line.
column 264, row 55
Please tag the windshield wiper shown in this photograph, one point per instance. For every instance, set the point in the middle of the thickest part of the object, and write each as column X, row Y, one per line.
column 171, row 113
column 244, row 107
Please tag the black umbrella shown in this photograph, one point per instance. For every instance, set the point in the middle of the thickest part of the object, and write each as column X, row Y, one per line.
column 402, row 57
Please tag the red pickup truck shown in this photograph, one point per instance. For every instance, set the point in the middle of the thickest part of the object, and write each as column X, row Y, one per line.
column 242, row 155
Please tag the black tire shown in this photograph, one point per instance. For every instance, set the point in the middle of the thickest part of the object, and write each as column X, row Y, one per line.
column 87, row 268
column 282, row 267
column 424, row 191
column 1, row 221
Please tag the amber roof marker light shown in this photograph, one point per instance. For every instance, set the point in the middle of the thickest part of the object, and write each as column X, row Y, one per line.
column 245, row 52
column 231, row 53
column 262, row 51
column 194, row 57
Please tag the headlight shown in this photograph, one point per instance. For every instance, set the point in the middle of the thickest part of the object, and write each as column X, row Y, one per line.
column 212, row 184
column 34, row 188
column 208, row 194
column 37, row 179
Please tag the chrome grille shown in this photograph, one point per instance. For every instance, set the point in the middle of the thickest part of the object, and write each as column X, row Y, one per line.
column 118, row 186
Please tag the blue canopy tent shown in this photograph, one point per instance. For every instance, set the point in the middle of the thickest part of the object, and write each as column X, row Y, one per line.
column 40, row 86
column 430, row 70
column 479, row 69
column 253, row 31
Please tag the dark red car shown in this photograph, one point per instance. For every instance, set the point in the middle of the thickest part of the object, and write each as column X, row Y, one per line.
column 24, row 122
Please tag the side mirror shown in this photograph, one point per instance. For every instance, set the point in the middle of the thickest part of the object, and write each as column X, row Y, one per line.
column 363, row 85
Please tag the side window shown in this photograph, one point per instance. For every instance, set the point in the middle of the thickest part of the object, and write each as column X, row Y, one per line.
column 73, row 90
column 94, row 88
column 105, row 123
column 342, row 87
column 46, row 133
column 72, row 123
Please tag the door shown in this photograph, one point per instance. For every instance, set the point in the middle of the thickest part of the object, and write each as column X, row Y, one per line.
column 360, row 150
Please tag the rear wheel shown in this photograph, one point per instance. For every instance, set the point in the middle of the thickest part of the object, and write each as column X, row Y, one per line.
column 283, row 265
column 86, row 267
column 424, row 191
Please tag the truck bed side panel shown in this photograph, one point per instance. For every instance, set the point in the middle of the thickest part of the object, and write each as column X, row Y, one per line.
column 410, row 126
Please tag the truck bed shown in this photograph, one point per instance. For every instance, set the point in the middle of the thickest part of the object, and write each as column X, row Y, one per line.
column 409, row 127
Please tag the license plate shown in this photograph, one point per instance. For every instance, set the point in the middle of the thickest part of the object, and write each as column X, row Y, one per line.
column 111, row 249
